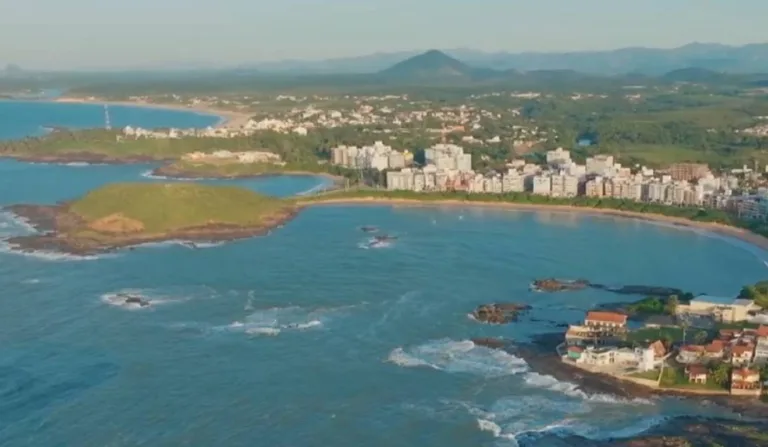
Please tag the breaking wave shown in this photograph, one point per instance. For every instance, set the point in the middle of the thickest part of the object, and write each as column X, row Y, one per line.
column 153, row 297
column 537, row 380
column 276, row 320
column 459, row 357
column 44, row 255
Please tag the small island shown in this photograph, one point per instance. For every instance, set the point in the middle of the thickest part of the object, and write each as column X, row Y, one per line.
column 128, row 214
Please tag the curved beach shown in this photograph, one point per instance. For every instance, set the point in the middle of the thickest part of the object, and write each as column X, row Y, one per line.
column 721, row 229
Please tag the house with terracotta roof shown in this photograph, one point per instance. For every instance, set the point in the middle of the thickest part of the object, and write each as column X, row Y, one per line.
column 745, row 381
column 741, row 354
column 714, row 350
column 696, row 373
column 606, row 321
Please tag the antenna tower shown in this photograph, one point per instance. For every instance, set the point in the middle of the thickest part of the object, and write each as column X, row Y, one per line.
column 107, row 124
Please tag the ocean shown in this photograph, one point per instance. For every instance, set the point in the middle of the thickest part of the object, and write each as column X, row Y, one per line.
column 307, row 337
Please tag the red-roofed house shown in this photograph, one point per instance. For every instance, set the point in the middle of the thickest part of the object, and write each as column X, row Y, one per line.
column 696, row 373
column 606, row 320
column 745, row 381
column 715, row 350
column 742, row 354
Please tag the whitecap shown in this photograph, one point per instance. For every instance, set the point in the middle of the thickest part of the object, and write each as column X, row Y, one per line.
column 154, row 297
column 459, row 357
column 537, row 380
column 276, row 320
column 44, row 255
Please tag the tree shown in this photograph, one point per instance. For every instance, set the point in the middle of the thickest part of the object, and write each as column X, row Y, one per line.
column 672, row 302
column 721, row 373
column 701, row 337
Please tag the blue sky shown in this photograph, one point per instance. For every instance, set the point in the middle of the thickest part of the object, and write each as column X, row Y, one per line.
column 122, row 33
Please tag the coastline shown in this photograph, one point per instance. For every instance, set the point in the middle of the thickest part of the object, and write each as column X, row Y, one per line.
column 57, row 229
column 228, row 119
column 720, row 229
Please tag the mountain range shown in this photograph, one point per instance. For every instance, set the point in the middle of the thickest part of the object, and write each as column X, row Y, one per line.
column 752, row 58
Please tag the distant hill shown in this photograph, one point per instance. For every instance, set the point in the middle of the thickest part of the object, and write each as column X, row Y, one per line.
column 752, row 58
column 432, row 64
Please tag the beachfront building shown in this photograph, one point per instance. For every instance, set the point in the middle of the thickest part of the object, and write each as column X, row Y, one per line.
column 606, row 321
column 696, row 374
column 745, row 382
column 724, row 309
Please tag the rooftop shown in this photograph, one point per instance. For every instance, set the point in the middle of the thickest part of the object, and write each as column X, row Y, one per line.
column 608, row 317
column 719, row 300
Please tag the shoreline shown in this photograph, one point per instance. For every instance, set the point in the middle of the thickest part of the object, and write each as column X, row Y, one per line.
column 228, row 119
column 52, row 223
column 720, row 229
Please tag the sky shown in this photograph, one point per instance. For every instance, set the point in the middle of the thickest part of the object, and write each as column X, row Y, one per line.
column 65, row 34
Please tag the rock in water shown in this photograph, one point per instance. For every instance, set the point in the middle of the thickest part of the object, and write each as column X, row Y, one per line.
column 492, row 343
column 499, row 313
column 136, row 300
column 557, row 285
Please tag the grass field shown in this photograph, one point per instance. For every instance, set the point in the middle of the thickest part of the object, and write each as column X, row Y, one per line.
column 164, row 207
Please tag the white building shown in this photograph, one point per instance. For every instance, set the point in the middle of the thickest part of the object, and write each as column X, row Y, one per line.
column 542, row 184
column 558, row 157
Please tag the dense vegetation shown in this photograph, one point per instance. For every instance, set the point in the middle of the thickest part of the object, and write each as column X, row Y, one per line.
column 167, row 207
column 757, row 292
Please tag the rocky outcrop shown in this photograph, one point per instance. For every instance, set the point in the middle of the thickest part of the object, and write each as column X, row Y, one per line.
column 492, row 343
column 558, row 285
column 132, row 299
column 499, row 313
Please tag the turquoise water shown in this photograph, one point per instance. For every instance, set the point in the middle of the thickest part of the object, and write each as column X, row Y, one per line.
column 306, row 338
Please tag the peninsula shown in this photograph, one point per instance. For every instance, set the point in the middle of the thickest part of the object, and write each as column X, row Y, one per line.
column 127, row 214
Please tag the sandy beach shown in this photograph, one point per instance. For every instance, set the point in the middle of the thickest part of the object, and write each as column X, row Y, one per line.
column 724, row 230
column 229, row 119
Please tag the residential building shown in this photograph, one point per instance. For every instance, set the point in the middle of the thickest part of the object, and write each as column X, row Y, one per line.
column 597, row 356
column 724, row 309
column 688, row 171
column 691, row 354
column 594, row 187
column 745, row 381
column 558, row 157
column 600, row 165
column 741, row 354
column 761, row 348
column 606, row 321
column 696, row 373
column 542, row 184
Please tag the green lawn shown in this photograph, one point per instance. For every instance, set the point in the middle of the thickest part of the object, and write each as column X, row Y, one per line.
column 676, row 378
column 653, row 334
column 163, row 207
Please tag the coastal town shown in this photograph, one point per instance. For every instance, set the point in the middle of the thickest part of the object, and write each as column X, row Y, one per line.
column 706, row 346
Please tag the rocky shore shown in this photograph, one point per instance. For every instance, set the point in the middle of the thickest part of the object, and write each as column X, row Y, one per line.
column 675, row 432
column 558, row 285
column 61, row 230
column 499, row 313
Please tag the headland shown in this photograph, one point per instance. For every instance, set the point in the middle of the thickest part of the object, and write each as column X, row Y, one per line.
column 128, row 214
